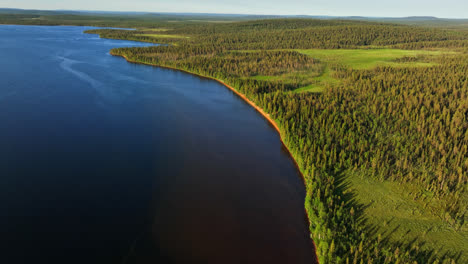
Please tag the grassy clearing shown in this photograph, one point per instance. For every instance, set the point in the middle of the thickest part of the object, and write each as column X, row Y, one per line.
column 369, row 58
column 312, row 79
column 161, row 36
column 362, row 59
column 319, row 82
column 313, row 88
column 390, row 208
column 359, row 59
column 155, row 29
column 266, row 78
column 210, row 21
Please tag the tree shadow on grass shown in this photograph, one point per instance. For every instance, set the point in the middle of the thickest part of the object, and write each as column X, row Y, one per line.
column 378, row 237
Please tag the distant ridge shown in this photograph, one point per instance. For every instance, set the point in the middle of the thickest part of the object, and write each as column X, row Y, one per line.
column 253, row 16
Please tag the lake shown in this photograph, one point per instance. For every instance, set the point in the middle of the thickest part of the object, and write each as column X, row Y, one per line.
column 104, row 161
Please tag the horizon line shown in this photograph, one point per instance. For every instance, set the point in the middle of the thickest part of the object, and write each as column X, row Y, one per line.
column 233, row 14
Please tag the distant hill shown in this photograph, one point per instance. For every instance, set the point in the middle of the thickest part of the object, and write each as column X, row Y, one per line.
column 412, row 20
column 25, row 12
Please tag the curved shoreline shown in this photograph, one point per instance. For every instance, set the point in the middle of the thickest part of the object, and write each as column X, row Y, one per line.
column 256, row 107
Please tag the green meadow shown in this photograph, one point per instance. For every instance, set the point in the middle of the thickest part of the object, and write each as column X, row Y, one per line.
column 358, row 59
column 369, row 58
column 161, row 36
column 397, row 217
column 362, row 59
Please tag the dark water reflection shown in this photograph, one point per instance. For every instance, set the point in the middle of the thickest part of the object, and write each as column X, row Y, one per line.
column 103, row 161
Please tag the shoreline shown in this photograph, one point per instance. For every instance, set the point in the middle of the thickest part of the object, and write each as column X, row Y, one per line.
column 265, row 115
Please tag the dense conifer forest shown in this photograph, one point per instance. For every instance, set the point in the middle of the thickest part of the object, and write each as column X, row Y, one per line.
column 399, row 120
column 404, row 123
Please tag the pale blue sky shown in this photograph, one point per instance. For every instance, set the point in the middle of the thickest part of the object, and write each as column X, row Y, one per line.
column 393, row 8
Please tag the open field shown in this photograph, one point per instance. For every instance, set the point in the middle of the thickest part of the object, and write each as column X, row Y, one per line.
column 161, row 36
column 393, row 213
column 368, row 58
column 314, row 81
column 153, row 29
column 357, row 59
column 319, row 82
column 360, row 59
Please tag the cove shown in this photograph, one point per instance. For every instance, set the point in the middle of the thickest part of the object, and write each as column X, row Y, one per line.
column 104, row 161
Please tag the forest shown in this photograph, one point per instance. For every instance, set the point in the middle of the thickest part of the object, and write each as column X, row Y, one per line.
column 375, row 113
column 400, row 122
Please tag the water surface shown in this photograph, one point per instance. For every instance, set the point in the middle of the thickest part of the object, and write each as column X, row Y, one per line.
column 103, row 161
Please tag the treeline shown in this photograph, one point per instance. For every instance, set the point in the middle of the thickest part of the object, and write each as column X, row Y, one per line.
column 452, row 44
column 134, row 35
column 303, row 34
column 309, row 33
column 264, row 25
column 227, row 64
column 24, row 17
column 230, row 66
column 329, row 37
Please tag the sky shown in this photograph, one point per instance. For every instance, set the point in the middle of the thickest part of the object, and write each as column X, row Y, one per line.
column 374, row 8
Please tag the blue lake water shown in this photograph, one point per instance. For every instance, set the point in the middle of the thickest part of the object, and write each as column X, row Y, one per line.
column 104, row 161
